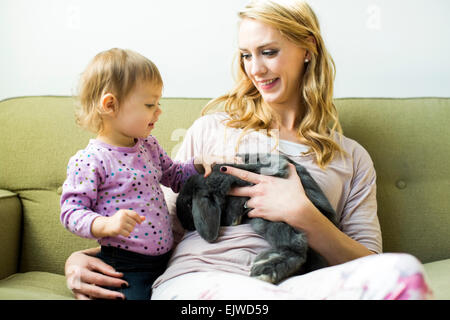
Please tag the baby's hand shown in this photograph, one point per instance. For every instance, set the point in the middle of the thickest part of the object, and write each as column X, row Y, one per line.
column 121, row 223
column 206, row 163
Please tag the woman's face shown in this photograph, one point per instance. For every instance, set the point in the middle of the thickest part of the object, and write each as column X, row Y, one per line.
column 273, row 63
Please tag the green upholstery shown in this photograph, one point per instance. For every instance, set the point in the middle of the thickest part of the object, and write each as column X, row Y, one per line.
column 35, row 285
column 10, row 217
column 408, row 140
column 439, row 278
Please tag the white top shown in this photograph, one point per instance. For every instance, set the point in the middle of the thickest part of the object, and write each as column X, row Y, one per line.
column 348, row 182
column 289, row 148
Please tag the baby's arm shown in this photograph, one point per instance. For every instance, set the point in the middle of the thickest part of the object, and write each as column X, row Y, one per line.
column 85, row 174
column 79, row 195
column 121, row 223
column 174, row 173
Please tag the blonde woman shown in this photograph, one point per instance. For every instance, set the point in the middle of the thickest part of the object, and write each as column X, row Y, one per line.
column 282, row 102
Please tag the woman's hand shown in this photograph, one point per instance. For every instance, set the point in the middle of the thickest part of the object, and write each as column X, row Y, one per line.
column 86, row 273
column 274, row 198
column 278, row 199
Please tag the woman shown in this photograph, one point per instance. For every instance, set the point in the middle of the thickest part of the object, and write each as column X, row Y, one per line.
column 282, row 102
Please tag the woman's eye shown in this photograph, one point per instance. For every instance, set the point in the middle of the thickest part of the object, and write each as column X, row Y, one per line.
column 245, row 56
column 269, row 52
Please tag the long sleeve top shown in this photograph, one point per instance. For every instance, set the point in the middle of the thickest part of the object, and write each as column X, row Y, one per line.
column 102, row 179
column 349, row 182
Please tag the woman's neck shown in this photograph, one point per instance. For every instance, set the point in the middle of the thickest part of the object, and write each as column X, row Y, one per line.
column 287, row 123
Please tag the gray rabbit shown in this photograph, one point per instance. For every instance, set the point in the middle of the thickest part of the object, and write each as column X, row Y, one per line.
column 203, row 205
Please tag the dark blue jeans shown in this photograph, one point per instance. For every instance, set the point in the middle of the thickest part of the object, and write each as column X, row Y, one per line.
column 140, row 271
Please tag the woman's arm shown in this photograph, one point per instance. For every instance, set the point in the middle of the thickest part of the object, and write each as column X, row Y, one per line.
column 279, row 199
column 324, row 237
column 85, row 273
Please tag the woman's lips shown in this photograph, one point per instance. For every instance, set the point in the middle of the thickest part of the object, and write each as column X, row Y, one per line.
column 268, row 84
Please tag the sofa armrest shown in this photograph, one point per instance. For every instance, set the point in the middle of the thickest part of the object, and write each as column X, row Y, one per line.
column 10, row 229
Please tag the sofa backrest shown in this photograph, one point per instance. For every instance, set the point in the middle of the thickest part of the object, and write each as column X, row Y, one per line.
column 408, row 140
column 38, row 136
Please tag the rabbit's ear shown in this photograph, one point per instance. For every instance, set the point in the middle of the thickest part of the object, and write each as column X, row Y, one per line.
column 184, row 210
column 206, row 213
column 315, row 194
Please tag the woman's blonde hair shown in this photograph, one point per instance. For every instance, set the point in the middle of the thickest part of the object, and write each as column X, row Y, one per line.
column 115, row 71
column 297, row 22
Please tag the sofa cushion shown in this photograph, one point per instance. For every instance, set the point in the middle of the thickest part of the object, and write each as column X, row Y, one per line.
column 408, row 140
column 34, row 286
column 46, row 244
column 438, row 274
column 42, row 136
column 10, row 217
column 43, row 285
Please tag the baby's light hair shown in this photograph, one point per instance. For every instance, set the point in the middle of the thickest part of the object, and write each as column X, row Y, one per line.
column 115, row 71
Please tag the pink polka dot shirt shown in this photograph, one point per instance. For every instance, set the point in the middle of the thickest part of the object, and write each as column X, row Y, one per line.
column 102, row 179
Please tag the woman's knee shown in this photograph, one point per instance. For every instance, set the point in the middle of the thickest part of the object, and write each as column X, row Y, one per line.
column 411, row 280
column 404, row 263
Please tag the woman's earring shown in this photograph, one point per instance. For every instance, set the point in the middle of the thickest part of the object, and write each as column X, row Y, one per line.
column 306, row 60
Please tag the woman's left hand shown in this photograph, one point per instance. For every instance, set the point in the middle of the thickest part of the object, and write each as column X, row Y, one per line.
column 274, row 198
column 278, row 199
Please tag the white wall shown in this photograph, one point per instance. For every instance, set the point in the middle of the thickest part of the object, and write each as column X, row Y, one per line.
column 382, row 48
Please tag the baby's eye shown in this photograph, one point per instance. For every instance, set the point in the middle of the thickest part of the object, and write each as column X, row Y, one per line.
column 151, row 105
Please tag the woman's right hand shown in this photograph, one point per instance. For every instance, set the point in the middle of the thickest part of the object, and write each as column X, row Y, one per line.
column 85, row 274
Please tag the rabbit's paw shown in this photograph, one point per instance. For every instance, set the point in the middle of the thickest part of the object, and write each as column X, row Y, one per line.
column 274, row 266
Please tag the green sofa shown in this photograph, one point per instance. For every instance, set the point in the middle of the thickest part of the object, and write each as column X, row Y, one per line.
column 408, row 139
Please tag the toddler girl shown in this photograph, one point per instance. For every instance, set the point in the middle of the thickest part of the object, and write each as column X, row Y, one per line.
column 112, row 190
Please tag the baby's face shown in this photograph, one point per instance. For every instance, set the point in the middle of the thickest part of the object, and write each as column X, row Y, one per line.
column 139, row 112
